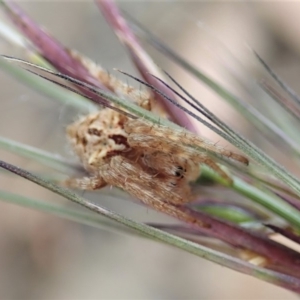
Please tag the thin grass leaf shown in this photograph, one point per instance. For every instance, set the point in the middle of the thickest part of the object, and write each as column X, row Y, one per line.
column 247, row 110
column 287, row 281
column 284, row 103
column 198, row 106
column 91, row 219
column 291, row 199
column 282, row 208
column 259, row 195
column 228, row 212
column 279, row 81
column 234, row 235
column 286, row 259
column 11, row 35
column 14, row 38
column 52, row 91
column 56, row 77
column 64, row 212
column 284, row 113
column 48, row 159
column 142, row 60
column 48, row 46
column 244, row 239
column 59, row 56
column 276, row 185
column 244, row 145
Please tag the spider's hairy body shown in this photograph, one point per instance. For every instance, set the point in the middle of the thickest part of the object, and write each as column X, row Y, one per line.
column 153, row 163
column 149, row 161
column 105, row 144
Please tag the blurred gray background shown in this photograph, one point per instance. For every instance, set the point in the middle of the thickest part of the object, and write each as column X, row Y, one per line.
column 45, row 257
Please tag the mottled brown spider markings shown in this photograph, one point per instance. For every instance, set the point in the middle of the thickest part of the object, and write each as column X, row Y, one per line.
column 153, row 163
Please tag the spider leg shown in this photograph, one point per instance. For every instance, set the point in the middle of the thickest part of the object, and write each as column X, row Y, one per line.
column 141, row 98
column 204, row 159
column 177, row 166
column 152, row 191
column 85, row 183
column 139, row 126
column 126, row 173
column 176, row 150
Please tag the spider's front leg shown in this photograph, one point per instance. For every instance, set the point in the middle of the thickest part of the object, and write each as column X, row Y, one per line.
column 143, row 127
column 86, row 183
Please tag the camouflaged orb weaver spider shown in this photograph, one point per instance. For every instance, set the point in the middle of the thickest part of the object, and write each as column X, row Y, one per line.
column 151, row 162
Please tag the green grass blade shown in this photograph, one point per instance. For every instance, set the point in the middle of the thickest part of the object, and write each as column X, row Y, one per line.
column 240, row 142
column 51, row 160
column 64, row 212
column 228, row 213
column 247, row 110
column 48, row 89
column 279, row 81
column 277, row 278
column 260, row 196
column 235, row 139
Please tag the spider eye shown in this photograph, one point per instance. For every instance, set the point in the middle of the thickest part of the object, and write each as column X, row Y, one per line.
column 181, row 168
column 179, row 172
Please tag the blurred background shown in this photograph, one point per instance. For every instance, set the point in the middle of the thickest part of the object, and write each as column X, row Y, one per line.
column 45, row 257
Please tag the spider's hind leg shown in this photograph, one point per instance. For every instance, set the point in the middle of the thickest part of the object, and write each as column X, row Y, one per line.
column 181, row 152
column 150, row 190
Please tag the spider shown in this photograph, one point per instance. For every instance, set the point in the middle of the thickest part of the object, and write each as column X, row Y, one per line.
column 151, row 162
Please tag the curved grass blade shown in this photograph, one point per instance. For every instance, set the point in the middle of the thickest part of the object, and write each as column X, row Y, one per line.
column 287, row 212
column 260, row 196
column 280, row 254
column 51, row 160
column 229, row 212
column 94, row 220
column 55, row 92
column 286, row 104
column 48, row 46
column 279, row 81
column 15, row 39
column 64, row 212
column 287, row 281
column 142, row 61
column 247, row 110
column 61, row 58
column 8, row 62
column 244, row 145
column 11, row 35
